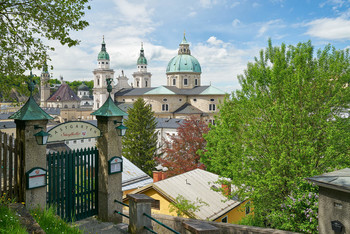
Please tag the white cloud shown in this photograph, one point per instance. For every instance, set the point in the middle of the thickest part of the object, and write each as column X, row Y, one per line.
column 213, row 41
column 234, row 4
column 267, row 25
column 208, row 3
column 236, row 22
column 192, row 14
column 329, row 28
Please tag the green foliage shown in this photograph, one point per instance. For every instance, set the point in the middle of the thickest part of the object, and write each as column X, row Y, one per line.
column 51, row 223
column 182, row 206
column 284, row 124
column 25, row 25
column 9, row 222
column 54, row 81
column 140, row 140
column 75, row 84
column 299, row 212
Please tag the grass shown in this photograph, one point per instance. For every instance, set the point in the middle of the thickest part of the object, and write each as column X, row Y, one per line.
column 9, row 222
column 51, row 223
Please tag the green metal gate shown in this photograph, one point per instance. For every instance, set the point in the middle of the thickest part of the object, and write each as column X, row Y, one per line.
column 72, row 183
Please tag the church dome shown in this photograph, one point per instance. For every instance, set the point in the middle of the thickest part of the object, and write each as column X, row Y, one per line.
column 184, row 61
column 83, row 87
column 103, row 53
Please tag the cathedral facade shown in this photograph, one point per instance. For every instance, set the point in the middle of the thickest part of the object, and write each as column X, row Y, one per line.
column 182, row 96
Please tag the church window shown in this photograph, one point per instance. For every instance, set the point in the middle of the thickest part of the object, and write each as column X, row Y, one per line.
column 106, row 62
column 146, row 83
column 82, row 141
column 98, row 81
column 185, row 81
column 194, row 99
column 145, row 66
column 174, row 81
column 180, row 100
column 98, row 62
column 132, row 100
column 165, row 107
column 212, row 99
column 103, row 62
column 141, row 66
column 65, row 106
column 196, row 82
column 73, row 106
column 123, row 100
column 98, row 105
column 138, row 83
column 212, row 107
column 164, row 99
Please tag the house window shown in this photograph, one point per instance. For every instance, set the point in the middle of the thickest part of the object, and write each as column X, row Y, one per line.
column 155, row 205
column 247, row 208
column 165, row 107
column 174, row 81
column 224, row 220
column 185, row 81
column 212, row 121
column 196, row 82
column 212, row 107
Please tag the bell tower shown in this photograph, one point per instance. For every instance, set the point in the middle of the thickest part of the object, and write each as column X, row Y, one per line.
column 101, row 74
column 44, row 86
column 142, row 78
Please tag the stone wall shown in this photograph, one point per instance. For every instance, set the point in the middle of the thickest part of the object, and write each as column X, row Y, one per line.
column 224, row 228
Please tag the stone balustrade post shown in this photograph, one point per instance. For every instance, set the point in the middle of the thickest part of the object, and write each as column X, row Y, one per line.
column 138, row 205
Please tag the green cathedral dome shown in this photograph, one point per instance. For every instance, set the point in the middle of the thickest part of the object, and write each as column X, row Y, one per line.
column 103, row 53
column 184, row 63
column 142, row 59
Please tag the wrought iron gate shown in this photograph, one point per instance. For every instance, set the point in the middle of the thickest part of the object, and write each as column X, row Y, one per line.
column 72, row 183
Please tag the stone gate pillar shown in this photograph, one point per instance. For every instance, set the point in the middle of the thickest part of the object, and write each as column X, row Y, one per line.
column 31, row 119
column 109, row 145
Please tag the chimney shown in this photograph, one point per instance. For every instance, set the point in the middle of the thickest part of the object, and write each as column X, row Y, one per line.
column 226, row 189
column 157, row 176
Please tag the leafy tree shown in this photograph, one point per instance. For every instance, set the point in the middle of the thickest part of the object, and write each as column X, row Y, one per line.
column 140, row 140
column 24, row 25
column 183, row 207
column 286, row 123
column 180, row 152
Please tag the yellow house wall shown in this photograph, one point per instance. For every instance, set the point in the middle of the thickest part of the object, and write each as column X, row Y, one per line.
column 163, row 203
column 234, row 215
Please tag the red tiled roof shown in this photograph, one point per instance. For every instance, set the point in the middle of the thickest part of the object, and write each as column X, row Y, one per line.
column 64, row 93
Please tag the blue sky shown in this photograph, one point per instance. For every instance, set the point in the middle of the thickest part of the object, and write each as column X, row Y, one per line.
column 224, row 35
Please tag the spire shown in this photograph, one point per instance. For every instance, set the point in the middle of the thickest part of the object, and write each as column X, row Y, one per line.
column 184, row 41
column 45, row 68
column 103, row 53
column 103, row 48
column 142, row 59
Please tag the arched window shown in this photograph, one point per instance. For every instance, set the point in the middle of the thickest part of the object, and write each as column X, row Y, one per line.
column 212, row 107
column 165, row 107
column 185, row 81
column 65, row 106
column 146, row 83
column 196, row 82
column 98, row 81
column 174, row 81
column 137, row 84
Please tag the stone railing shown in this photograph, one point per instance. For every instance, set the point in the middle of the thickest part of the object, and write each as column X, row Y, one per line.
column 142, row 204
